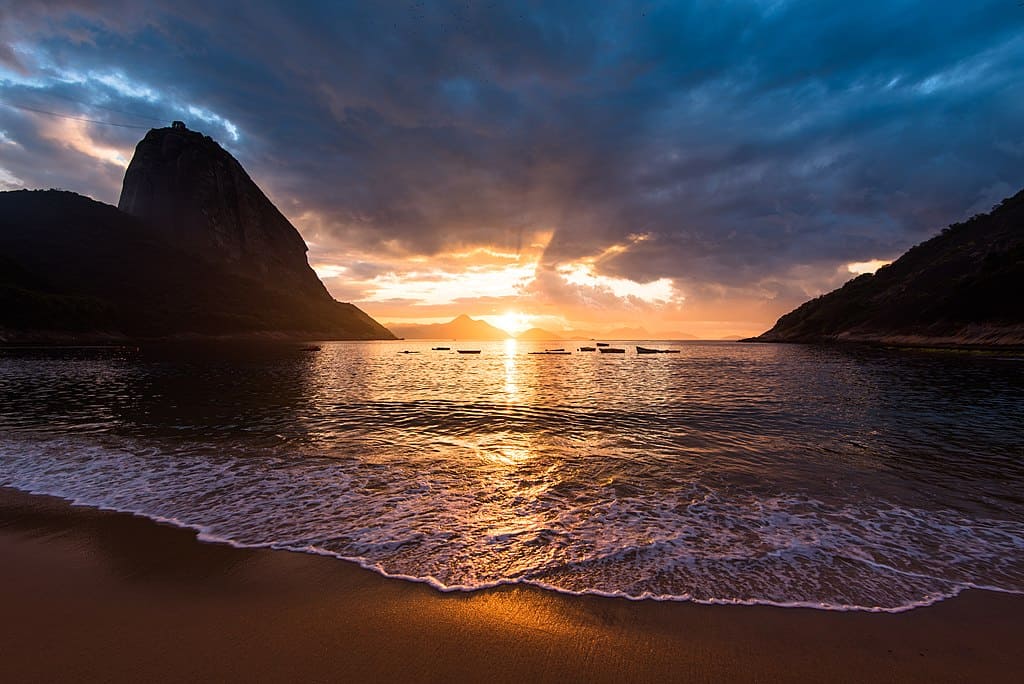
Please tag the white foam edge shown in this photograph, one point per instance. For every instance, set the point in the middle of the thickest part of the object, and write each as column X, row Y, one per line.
column 204, row 534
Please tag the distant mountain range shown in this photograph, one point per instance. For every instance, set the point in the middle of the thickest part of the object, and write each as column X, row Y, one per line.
column 465, row 328
column 644, row 334
column 962, row 287
column 460, row 328
column 194, row 249
column 540, row 334
column 617, row 334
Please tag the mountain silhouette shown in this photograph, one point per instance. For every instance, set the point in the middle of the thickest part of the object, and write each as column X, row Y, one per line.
column 459, row 328
column 196, row 249
column 961, row 287
column 540, row 334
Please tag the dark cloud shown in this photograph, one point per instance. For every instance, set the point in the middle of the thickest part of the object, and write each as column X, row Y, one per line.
column 742, row 139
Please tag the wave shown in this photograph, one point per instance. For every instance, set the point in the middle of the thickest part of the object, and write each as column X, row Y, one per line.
column 430, row 518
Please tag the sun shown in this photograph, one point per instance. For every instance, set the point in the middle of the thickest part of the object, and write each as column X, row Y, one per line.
column 511, row 322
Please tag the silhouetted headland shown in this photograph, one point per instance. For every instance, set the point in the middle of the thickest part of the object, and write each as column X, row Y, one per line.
column 960, row 288
column 194, row 249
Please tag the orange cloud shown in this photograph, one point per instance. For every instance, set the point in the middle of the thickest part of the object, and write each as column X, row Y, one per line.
column 76, row 135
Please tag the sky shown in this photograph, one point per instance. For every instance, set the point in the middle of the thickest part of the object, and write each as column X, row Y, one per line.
column 685, row 167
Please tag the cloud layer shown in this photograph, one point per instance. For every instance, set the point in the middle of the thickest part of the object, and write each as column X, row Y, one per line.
column 701, row 165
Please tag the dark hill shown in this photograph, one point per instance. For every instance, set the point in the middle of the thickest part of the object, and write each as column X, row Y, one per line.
column 961, row 287
column 75, row 267
column 225, row 265
column 196, row 196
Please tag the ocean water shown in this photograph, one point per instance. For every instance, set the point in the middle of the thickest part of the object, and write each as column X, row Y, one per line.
column 844, row 479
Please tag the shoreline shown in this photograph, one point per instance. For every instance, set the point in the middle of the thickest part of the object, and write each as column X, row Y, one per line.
column 203, row 536
column 92, row 594
column 115, row 340
column 1013, row 345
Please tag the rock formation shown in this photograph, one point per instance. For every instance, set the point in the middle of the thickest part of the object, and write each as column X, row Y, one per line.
column 199, row 198
column 195, row 249
column 962, row 287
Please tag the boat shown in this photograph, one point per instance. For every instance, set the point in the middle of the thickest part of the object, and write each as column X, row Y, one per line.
column 310, row 348
column 612, row 350
column 440, row 349
column 560, row 349
column 602, row 344
column 468, row 351
column 551, row 352
column 406, row 351
column 648, row 350
column 586, row 349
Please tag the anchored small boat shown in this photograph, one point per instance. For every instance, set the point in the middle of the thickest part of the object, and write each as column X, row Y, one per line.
column 602, row 344
column 551, row 352
column 587, row 349
column 560, row 349
column 406, row 351
column 468, row 351
column 440, row 349
column 612, row 350
column 648, row 350
column 310, row 348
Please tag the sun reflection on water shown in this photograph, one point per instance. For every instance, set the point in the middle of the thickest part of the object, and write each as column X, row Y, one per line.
column 511, row 384
column 511, row 455
column 583, row 472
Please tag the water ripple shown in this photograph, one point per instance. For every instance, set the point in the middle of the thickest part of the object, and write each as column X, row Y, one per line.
column 841, row 479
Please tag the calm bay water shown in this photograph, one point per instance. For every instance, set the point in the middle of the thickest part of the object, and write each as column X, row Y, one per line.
column 835, row 478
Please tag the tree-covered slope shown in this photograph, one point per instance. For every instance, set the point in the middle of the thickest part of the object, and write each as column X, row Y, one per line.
column 964, row 286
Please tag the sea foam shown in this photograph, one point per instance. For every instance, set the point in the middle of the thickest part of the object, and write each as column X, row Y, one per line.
column 465, row 529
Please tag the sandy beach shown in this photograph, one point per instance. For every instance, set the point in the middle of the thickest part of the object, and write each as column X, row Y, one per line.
column 91, row 595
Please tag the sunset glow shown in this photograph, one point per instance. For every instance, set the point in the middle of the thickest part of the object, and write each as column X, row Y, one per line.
column 518, row 341
column 862, row 267
column 425, row 190
column 436, row 286
column 655, row 291
column 511, row 322
column 78, row 135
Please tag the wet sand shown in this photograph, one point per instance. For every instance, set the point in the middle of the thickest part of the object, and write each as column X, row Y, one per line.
column 90, row 595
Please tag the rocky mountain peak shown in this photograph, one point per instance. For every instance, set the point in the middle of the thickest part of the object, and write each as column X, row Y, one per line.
column 196, row 194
